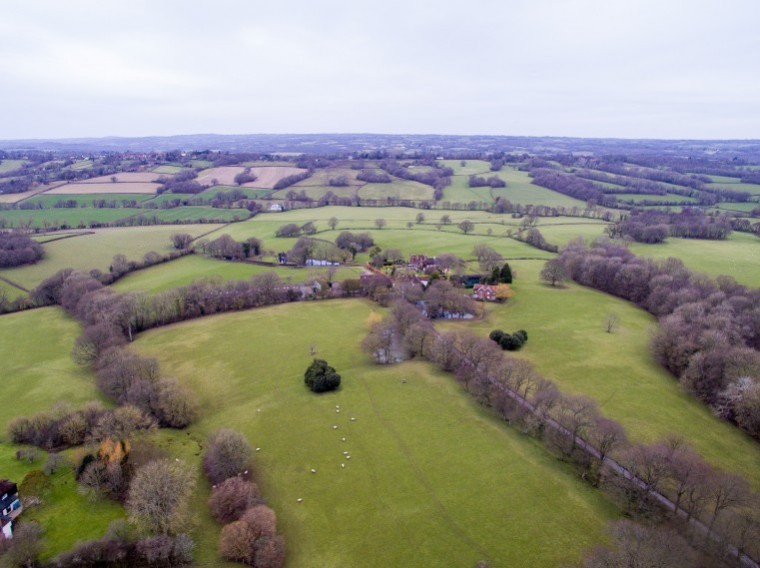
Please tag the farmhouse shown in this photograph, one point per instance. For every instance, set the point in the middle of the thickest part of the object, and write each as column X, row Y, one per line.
column 484, row 292
column 10, row 506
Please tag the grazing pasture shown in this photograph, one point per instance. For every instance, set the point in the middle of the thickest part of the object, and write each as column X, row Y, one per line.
column 317, row 192
column 433, row 479
column 737, row 256
column 560, row 231
column 167, row 170
column 10, row 165
column 106, row 187
column 36, row 377
column 322, row 177
column 569, row 345
column 192, row 214
column 397, row 189
column 97, row 249
column 250, row 193
column 470, row 167
column 79, row 217
column 49, row 201
column 520, row 190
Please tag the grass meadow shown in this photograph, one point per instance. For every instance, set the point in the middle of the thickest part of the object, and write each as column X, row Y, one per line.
column 35, row 378
column 97, row 249
column 10, row 165
column 49, row 201
column 568, row 344
column 520, row 190
column 737, row 256
column 80, row 217
column 433, row 479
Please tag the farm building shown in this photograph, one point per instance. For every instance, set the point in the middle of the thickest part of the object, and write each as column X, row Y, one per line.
column 484, row 292
column 10, row 506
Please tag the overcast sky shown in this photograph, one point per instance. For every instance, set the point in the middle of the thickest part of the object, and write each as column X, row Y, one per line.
column 613, row 68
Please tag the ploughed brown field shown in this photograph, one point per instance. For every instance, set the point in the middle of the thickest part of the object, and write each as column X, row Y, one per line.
column 266, row 176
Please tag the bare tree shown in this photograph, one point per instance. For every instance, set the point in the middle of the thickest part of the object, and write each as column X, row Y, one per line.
column 553, row 272
column 611, row 322
column 159, row 496
column 380, row 223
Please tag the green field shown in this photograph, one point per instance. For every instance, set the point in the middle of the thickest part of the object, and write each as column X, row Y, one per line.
column 10, row 292
column 192, row 214
column 186, row 270
column 316, row 192
column 168, row 196
column 471, row 167
column 80, row 165
column 433, row 480
column 752, row 188
column 670, row 197
column 167, row 170
column 397, row 189
column 96, row 250
column 322, row 177
column 49, row 201
column 249, row 192
column 568, row 345
column 10, row 165
column 459, row 192
column 35, row 378
column 569, row 228
column 738, row 256
column 82, row 217
column 520, row 190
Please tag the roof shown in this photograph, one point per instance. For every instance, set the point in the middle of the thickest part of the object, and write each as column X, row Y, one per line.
column 7, row 487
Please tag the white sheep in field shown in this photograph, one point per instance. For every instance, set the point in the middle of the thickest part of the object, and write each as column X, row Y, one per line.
column 313, row 470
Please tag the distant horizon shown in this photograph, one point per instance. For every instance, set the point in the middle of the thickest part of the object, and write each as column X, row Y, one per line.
column 373, row 133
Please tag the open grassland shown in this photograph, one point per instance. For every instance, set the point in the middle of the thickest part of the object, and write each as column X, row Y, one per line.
column 317, row 192
column 167, row 170
column 322, row 177
column 460, row 192
column 211, row 192
column 35, row 348
column 738, row 207
column 80, row 217
column 738, row 256
column 520, row 190
column 125, row 177
column 267, row 177
column 80, row 165
column 96, row 250
column 49, row 201
column 168, row 196
column 470, row 167
column 38, row 372
column 397, row 189
column 568, row 344
column 10, row 165
column 752, row 188
column 669, row 198
column 109, row 187
column 188, row 269
column 562, row 230
column 192, row 214
column 433, row 480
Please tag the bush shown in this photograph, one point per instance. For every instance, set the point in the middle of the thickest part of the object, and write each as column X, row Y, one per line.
column 231, row 498
column 228, row 455
column 320, row 377
column 509, row 342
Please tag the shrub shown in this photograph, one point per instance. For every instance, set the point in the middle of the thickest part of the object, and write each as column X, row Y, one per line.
column 509, row 342
column 228, row 454
column 236, row 542
column 320, row 377
column 159, row 496
column 231, row 498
